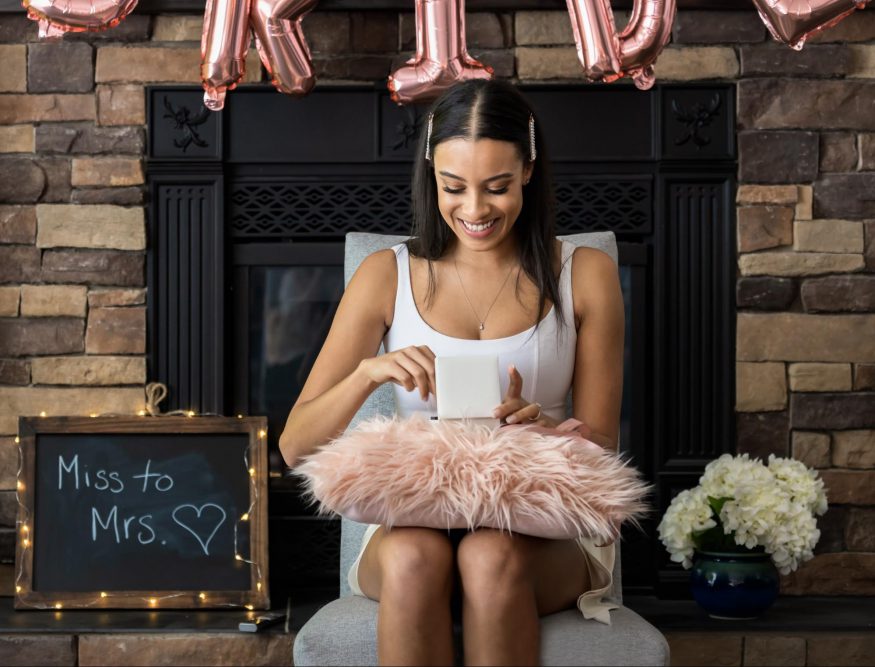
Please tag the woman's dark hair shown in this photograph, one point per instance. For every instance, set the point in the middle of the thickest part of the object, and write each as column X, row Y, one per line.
column 488, row 109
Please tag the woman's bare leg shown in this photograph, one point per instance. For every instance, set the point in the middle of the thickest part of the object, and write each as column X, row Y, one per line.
column 508, row 582
column 410, row 572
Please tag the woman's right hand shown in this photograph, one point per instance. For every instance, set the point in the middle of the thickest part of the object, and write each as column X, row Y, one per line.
column 411, row 367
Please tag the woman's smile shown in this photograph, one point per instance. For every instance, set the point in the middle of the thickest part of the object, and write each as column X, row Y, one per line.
column 479, row 230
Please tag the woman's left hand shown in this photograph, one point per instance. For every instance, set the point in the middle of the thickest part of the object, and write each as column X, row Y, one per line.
column 516, row 410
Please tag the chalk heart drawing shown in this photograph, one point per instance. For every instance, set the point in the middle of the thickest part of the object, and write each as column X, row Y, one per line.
column 199, row 523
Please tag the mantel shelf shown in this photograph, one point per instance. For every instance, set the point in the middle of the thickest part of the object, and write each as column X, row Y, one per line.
column 790, row 614
column 140, row 621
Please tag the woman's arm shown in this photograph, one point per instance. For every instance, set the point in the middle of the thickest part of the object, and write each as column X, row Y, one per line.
column 597, row 389
column 337, row 387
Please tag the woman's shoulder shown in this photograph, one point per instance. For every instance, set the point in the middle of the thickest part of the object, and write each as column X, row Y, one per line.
column 383, row 260
column 376, row 280
column 380, row 269
column 587, row 263
column 594, row 278
column 592, row 259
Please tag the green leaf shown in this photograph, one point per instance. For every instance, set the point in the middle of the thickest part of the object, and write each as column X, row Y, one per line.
column 717, row 504
column 714, row 539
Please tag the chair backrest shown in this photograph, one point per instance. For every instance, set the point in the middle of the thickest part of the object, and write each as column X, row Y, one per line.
column 382, row 401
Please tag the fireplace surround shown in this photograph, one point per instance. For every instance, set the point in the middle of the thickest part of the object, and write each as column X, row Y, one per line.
column 248, row 209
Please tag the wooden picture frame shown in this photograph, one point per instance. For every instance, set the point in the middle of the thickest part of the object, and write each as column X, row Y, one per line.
column 123, row 439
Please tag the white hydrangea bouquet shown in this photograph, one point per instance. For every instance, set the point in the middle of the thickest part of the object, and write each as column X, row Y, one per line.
column 742, row 504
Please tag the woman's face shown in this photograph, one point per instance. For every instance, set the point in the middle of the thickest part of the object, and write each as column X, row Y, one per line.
column 480, row 188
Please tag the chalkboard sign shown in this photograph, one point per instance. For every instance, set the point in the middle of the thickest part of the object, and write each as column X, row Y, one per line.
column 143, row 512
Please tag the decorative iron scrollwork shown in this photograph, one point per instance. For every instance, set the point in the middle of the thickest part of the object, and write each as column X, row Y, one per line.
column 187, row 122
column 695, row 119
column 407, row 129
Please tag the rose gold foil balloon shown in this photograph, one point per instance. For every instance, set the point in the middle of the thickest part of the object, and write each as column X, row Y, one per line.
column 793, row 21
column 224, row 43
column 644, row 37
column 441, row 57
column 606, row 56
column 281, row 43
column 598, row 47
column 55, row 17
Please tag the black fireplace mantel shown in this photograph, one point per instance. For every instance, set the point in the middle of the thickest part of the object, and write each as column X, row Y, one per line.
column 272, row 175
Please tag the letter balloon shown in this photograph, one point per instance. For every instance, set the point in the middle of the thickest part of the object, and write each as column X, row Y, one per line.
column 281, row 44
column 56, row 17
column 607, row 56
column 793, row 21
column 224, row 43
column 441, row 57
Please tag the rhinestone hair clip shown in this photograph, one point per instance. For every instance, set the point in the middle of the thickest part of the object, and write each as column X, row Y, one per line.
column 533, row 152
column 428, row 137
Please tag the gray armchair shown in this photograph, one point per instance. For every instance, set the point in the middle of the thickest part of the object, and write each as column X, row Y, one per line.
column 344, row 632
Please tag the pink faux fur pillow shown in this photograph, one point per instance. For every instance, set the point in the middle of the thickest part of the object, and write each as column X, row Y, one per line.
column 454, row 474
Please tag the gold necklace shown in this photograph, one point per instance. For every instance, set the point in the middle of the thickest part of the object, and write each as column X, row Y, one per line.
column 483, row 321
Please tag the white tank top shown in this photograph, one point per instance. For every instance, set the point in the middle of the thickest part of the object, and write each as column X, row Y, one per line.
column 545, row 362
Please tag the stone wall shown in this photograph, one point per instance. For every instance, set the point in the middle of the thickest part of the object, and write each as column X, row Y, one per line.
column 72, row 224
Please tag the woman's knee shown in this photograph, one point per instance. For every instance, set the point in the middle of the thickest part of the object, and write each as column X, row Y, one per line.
column 491, row 563
column 416, row 558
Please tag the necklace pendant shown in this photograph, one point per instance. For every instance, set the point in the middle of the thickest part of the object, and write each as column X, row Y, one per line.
column 481, row 326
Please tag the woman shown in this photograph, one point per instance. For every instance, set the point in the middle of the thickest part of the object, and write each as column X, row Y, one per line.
column 483, row 273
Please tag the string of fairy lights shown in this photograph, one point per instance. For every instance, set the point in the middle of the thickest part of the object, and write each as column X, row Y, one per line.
column 155, row 392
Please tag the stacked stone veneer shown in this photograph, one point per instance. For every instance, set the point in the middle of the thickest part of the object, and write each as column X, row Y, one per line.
column 72, row 224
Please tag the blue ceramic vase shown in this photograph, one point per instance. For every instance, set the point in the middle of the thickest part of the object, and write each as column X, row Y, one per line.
column 734, row 585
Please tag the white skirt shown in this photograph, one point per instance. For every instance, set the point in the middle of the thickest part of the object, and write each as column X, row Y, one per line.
column 599, row 560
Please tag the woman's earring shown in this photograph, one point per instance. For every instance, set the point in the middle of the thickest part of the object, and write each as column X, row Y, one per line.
column 533, row 153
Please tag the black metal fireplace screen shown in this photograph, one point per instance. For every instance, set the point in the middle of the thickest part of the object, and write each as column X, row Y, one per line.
column 248, row 213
